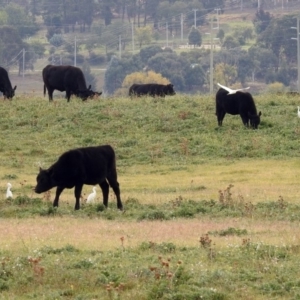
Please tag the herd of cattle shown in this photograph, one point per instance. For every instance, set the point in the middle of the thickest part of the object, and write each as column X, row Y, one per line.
column 71, row 80
column 97, row 165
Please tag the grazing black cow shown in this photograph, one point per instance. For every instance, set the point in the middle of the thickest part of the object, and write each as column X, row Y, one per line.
column 66, row 78
column 76, row 167
column 239, row 103
column 152, row 89
column 5, row 85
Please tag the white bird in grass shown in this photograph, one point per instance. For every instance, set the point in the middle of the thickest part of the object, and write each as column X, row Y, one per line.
column 230, row 91
column 299, row 111
column 92, row 196
column 9, row 194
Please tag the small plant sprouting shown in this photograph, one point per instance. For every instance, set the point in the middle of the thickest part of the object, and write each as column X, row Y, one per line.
column 38, row 270
column 205, row 241
column 225, row 197
column 47, row 196
column 122, row 242
column 249, row 209
column 165, row 270
column 282, row 203
column 113, row 289
column 177, row 202
column 246, row 242
column 184, row 145
column 183, row 115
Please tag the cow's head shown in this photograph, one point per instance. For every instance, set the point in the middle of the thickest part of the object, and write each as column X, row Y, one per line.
column 9, row 94
column 44, row 181
column 88, row 93
column 170, row 89
column 254, row 120
column 84, row 94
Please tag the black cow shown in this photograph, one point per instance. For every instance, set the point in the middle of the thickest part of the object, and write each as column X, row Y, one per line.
column 152, row 89
column 76, row 167
column 66, row 78
column 239, row 103
column 5, row 85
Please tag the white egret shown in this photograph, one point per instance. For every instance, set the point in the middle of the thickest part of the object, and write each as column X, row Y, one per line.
column 9, row 193
column 92, row 196
column 231, row 91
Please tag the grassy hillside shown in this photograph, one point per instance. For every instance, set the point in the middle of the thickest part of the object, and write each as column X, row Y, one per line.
column 144, row 131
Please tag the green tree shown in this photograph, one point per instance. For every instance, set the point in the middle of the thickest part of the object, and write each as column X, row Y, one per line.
column 195, row 78
column 143, row 35
column 230, row 42
column 225, row 73
column 148, row 52
column 245, row 67
column 221, row 35
column 18, row 18
column 10, row 44
column 56, row 40
column 117, row 70
column 171, row 66
column 261, row 21
column 195, row 37
column 264, row 60
column 278, row 38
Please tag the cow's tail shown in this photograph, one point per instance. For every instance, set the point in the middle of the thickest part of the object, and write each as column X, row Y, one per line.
column 44, row 90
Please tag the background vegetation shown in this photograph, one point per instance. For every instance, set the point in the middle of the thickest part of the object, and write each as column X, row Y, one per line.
column 204, row 206
column 113, row 39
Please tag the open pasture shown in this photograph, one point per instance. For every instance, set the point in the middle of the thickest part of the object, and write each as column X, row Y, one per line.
column 210, row 213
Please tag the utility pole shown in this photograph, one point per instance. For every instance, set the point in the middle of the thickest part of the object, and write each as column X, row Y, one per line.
column 195, row 18
column 298, row 49
column 75, row 54
column 241, row 4
column 132, row 36
column 167, row 37
column 217, row 9
column 258, row 5
column 23, row 64
column 120, row 47
column 181, row 27
column 211, row 67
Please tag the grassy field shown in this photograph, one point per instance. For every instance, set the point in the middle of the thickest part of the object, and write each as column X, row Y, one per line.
column 210, row 213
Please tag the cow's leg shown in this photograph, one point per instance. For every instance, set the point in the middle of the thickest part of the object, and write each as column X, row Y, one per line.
column 220, row 116
column 105, row 191
column 59, row 190
column 50, row 93
column 68, row 95
column 245, row 120
column 77, row 192
column 112, row 180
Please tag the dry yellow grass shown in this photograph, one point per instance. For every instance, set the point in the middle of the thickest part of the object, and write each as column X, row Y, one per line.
column 27, row 235
column 254, row 180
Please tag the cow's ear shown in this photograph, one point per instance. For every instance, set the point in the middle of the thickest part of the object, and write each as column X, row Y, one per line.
column 15, row 87
column 40, row 169
column 259, row 114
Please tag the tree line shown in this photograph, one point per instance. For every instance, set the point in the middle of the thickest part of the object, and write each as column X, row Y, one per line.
column 271, row 58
